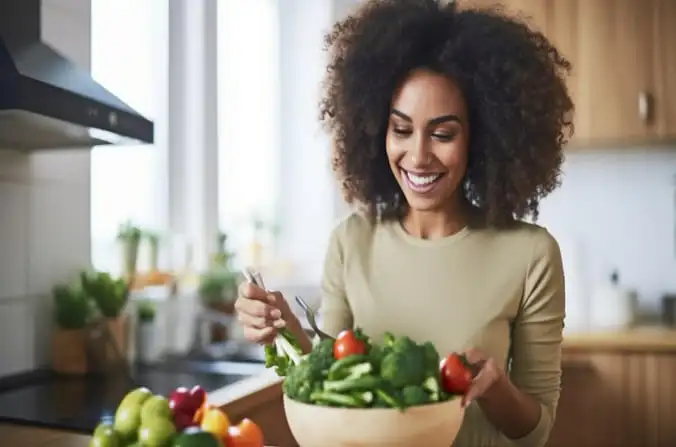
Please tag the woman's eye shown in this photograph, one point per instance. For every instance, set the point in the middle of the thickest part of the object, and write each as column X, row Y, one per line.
column 443, row 137
column 401, row 132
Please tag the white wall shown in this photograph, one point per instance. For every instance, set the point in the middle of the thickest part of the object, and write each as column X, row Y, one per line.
column 44, row 223
column 615, row 209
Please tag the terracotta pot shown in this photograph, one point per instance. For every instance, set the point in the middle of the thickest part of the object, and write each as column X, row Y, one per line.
column 119, row 333
column 69, row 351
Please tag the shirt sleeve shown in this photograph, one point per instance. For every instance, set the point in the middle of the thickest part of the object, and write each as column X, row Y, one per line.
column 537, row 336
column 335, row 312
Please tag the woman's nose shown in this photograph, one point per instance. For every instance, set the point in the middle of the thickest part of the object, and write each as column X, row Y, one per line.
column 419, row 151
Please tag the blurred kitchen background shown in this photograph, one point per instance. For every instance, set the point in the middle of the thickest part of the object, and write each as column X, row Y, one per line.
column 239, row 174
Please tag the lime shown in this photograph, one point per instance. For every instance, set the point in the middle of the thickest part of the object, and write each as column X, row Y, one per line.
column 156, row 406
column 127, row 421
column 136, row 397
column 195, row 437
column 104, row 436
column 156, row 432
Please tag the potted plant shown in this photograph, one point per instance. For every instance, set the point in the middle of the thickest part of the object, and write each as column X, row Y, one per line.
column 153, row 240
column 218, row 289
column 110, row 295
column 154, row 277
column 72, row 314
column 146, row 348
column 129, row 237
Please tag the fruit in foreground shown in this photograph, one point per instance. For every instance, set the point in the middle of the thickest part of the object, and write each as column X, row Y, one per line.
column 215, row 422
column 135, row 398
column 182, row 400
column 156, row 406
column 456, row 374
column 156, row 432
column 196, row 437
column 244, row 434
column 127, row 421
column 105, row 436
column 183, row 421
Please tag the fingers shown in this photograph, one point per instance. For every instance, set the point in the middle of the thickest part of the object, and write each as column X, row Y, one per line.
column 260, row 322
column 487, row 375
column 263, row 336
column 257, row 309
column 478, row 387
column 260, row 312
column 252, row 291
column 474, row 355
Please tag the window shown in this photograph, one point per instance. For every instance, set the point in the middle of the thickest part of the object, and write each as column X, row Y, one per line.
column 248, row 116
column 129, row 57
column 273, row 157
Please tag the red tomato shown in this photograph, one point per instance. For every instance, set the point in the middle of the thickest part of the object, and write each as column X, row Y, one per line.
column 244, row 434
column 456, row 375
column 347, row 344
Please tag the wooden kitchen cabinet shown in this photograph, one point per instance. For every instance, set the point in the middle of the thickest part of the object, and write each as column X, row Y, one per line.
column 609, row 43
column 616, row 399
column 664, row 57
column 623, row 81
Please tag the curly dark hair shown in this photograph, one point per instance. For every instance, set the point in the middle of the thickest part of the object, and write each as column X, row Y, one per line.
column 513, row 80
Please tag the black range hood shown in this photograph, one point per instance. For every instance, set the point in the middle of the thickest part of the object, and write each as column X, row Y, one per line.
column 46, row 101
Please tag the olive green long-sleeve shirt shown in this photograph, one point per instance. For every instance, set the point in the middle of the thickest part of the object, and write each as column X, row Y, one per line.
column 486, row 289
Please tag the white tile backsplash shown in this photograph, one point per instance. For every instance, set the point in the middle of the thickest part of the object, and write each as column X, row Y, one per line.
column 45, row 221
column 14, row 203
column 615, row 210
column 61, row 166
column 59, row 229
column 17, row 343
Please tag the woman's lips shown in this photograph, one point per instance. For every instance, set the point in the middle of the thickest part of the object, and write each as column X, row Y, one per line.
column 420, row 183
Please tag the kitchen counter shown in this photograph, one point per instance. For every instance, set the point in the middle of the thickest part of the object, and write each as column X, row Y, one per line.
column 239, row 398
column 643, row 339
column 78, row 404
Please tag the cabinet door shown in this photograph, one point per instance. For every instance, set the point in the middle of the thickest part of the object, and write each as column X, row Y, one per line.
column 609, row 44
column 618, row 399
column 664, row 50
column 589, row 409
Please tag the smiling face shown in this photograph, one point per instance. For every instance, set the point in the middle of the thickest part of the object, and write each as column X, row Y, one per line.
column 427, row 139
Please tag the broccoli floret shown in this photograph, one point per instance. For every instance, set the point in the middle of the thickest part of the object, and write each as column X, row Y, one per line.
column 401, row 369
column 405, row 345
column 307, row 377
column 432, row 358
column 414, row 395
column 321, row 356
column 301, row 381
column 403, row 363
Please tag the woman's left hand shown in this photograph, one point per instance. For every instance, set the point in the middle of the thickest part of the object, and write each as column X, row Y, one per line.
column 488, row 376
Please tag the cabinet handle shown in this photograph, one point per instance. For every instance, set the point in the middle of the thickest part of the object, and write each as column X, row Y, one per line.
column 644, row 106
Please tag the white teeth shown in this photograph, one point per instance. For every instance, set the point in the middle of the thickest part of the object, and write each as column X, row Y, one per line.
column 422, row 180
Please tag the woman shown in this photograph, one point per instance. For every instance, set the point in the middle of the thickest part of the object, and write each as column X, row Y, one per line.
column 448, row 126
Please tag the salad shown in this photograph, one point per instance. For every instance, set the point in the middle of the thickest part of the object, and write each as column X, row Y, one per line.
column 354, row 372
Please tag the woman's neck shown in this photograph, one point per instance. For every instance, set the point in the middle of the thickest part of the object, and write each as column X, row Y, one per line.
column 436, row 224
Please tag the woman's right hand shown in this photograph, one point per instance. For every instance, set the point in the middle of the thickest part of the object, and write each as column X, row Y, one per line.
column 262, row 313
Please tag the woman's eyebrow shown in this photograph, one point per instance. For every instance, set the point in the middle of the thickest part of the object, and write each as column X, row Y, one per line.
column 433, row 122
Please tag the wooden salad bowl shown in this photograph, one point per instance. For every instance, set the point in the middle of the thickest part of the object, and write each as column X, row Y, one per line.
column 434, row 425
